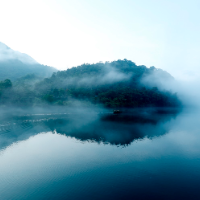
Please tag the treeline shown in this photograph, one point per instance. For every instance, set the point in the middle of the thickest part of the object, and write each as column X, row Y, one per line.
column 115, row 84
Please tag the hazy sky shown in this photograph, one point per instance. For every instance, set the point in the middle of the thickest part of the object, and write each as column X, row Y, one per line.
column 65, row 33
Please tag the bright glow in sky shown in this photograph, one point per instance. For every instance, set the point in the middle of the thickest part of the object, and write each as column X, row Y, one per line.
column 66, row 33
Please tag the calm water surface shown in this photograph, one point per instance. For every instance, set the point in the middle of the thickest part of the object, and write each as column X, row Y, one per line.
column 152, row 156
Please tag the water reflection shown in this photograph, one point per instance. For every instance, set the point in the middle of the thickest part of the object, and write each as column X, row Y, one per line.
column 53, row 166
column 120, row 129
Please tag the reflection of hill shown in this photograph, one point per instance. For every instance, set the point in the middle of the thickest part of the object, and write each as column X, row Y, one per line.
column 106, row 128
column 115, row 130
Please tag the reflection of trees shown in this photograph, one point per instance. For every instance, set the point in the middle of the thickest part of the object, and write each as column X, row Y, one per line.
column 116, row 130
column 107, row 128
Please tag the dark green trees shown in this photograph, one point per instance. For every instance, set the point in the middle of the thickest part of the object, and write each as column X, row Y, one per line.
column 115, row 84
column 5, row 84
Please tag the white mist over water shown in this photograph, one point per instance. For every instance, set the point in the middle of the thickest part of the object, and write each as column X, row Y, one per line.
column 53, row 165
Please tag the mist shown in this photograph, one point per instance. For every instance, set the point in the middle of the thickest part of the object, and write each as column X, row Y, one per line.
column 84, row 122
column 186, row 90
column 110, row 75
column 7, row 54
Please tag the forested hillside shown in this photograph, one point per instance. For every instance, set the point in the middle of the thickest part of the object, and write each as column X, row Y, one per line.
column 116, row 84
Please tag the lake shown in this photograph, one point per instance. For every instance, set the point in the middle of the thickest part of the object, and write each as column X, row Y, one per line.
column 143, row 155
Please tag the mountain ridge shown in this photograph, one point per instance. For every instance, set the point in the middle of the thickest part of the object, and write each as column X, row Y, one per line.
column 14, row 65
column 113, row 85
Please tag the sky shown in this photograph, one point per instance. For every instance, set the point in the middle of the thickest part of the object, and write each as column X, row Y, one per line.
column 66, row 33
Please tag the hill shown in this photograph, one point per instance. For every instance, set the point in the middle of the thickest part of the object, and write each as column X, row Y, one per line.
column 116, row 84
column 14, row 65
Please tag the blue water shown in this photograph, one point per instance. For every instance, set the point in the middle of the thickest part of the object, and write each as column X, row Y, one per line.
column 55, row 157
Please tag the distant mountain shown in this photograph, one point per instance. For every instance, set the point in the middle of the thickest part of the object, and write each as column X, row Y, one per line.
column 14, row 65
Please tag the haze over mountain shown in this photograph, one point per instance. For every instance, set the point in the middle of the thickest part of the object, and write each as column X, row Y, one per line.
column 14, row 65
column 117, row 84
